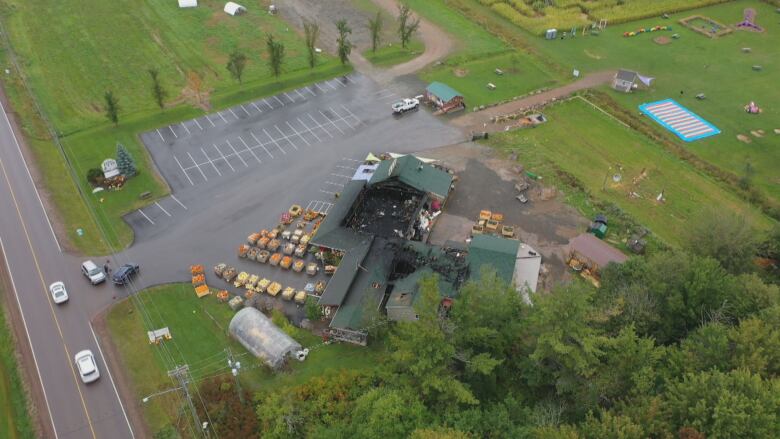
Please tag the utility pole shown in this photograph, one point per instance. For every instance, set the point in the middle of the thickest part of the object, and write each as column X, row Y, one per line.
column 235, row 368
column 182, row 375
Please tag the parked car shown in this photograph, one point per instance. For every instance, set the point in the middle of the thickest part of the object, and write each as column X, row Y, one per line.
column 405, row 105
column 94, row 273
column 122, row 275
column 58, row 292
column 85, row 363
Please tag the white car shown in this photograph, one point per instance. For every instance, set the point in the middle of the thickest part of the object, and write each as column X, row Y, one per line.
column 85, row 363
column 58, row 292
column 405, row 105
column 94, row 273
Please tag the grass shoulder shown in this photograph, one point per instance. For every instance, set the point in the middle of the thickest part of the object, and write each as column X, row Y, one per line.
column 200, row 338
column 15, row 421
column 392, row 54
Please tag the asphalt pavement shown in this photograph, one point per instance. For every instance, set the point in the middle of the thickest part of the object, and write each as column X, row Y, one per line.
column 55, row 332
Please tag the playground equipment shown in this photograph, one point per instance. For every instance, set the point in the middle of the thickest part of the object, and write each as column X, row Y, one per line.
column 752, row 108
column 644, row 30
column 749, row 21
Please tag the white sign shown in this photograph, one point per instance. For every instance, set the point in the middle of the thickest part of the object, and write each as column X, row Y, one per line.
column 110, row 168
column 576, row 73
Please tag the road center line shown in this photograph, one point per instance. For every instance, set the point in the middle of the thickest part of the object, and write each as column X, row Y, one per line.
column 111, row 378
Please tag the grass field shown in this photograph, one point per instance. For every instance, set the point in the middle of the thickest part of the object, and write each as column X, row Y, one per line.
column 392, row 53
column 199, row 329
column 15, row 420
column 70, row 65
column 585, row 143
column 521, row 75
column 697, row 64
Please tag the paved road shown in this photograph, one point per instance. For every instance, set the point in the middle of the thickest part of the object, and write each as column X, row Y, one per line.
column 55, row 333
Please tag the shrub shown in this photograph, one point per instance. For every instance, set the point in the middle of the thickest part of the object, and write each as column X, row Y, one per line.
column 94, row 175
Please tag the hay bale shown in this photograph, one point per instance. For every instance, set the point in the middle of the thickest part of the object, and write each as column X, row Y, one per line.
column 743, row 138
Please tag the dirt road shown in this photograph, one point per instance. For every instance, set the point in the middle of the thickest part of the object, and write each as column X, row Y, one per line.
column 482, row 120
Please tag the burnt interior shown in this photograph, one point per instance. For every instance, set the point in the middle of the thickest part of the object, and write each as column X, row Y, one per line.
column 387, row 210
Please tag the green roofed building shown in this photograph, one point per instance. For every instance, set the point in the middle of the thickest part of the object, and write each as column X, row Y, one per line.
column 444, row 97
column 496, row 253
column 414, row 172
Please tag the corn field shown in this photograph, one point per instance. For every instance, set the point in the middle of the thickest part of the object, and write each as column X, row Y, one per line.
column 538, row 15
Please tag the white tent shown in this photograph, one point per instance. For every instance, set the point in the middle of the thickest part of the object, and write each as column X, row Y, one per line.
column 188, row 3
column 234, row 8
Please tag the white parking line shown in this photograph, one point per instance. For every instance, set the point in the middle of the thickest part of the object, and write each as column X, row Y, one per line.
column 180, row 203
column 327, row 192
column 209, row 119
column 299, row 94
column 297, row 133
column 236, row 153
column 342, row 176
column 160, row 134
column 212, row 163
column 324, row 90
column 197, row 123
column 285, row 137
column 233, row 113
column 242, row 107
column 256, row 107
column 307, row 88
column 352, row 114
column 185, row 172
column 259, row 143
column 185, row 127
column 279, row 101
column 147, row 218
column 219, row 113
column 266, row 103
column 335, row 184
column 331, row 122
column 161, row 208
column 346, row 167
column 319, row 125
column 273, row 140
column 351, row 160
column 350, row 79
column 310, row 131
column 250, row 150
column 341, row 118
column 330, row 85
column 197, row 166
column 288, row 97
column 172, row 131
column 223, row 156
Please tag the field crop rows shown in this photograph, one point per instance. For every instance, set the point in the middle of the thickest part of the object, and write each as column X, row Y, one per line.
column 535, row 16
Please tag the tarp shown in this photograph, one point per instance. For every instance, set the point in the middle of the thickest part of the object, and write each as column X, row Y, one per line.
column 188, row 3
column 646, row 80
column 422, row 159
column 371, row 158
column 232, row 8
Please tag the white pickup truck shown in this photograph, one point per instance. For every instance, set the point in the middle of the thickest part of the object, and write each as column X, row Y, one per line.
column 404, row 105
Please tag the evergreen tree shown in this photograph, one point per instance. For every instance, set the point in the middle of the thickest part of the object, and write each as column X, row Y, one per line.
column 125, row 161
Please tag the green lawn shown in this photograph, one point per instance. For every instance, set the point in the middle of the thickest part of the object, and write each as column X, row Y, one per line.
column 585, row 142
column 69, row 66
column 392, row 53
column 14, row 418
column 697, row 64
column 521, row 75
column 199, row 329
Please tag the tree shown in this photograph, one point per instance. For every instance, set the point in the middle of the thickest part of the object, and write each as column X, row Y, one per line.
column 375, row 29
column 275, row 55
column 112, row 107
column 726, row 237
column 610, row 426
column 231, row 416
column 124, row 161
column 313, row 311
column 387, row 413
column 345, row 46
column 407, row 25
column 735, row 405
column 236, row 64
column 422, row 356
column 311, row 32
column 158, row 92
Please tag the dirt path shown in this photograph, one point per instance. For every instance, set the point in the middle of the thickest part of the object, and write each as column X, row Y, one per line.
column 482, row 120
column 438, row 44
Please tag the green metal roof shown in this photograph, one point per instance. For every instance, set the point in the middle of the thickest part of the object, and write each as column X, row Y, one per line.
column 340, row 282
column 442, row 91
column 495, row 252
column 332, row 233
column 367, row 288
column 412, row 171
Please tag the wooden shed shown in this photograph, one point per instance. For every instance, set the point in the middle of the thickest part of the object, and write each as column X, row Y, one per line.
column 444, row 97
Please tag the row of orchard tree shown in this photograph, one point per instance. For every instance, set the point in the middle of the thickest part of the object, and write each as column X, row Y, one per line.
column 676, row 344
column 275, row 50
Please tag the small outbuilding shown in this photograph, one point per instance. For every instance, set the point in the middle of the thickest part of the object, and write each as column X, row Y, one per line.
column 232, row 8
column 444, row 97
column 188, row 3
column 588, row 255
column 260, row 336
column 625, row 80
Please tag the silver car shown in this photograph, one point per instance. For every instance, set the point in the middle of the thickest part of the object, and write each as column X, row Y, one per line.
column 94, row 273
column 58, row 292
column 85, row 363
